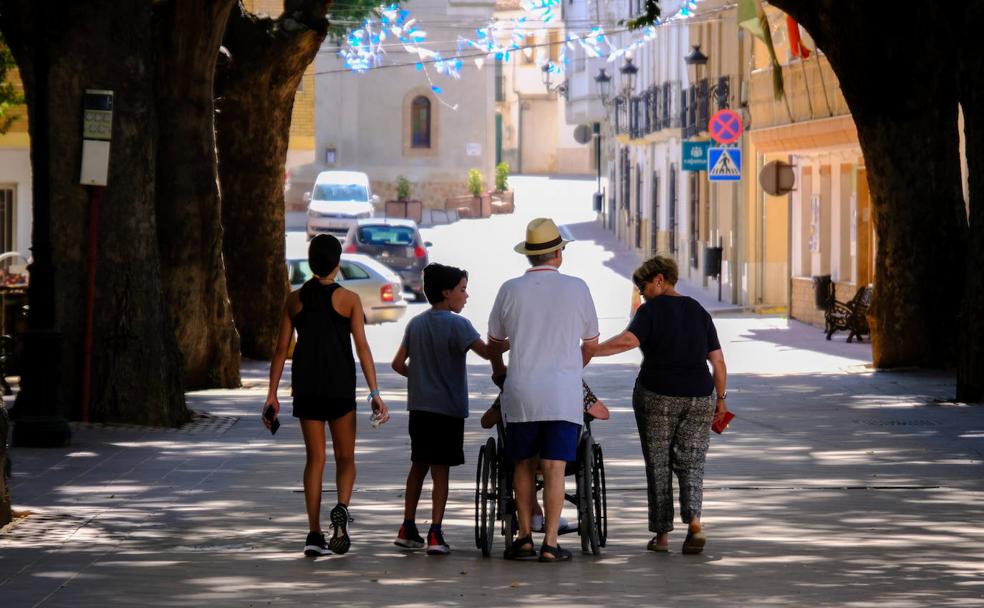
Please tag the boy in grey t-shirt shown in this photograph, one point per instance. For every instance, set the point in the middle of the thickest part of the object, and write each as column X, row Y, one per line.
column 436, row 343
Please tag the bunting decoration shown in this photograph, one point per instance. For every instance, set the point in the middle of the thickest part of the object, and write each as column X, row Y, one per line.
column 498, row 41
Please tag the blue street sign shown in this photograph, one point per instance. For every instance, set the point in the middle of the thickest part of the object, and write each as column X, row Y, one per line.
column 694, row 155
column 724, row 164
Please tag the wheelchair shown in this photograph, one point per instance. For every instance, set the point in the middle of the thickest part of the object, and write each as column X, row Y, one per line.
column 495, row 503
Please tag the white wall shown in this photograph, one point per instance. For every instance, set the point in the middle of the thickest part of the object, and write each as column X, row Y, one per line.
column 15, row 169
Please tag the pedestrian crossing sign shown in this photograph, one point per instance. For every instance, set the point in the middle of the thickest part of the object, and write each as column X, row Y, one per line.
column 724, row 164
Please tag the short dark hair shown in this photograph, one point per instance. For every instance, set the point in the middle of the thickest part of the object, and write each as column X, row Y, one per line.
column 438, row 277
column 324, row 252
column 658, row 264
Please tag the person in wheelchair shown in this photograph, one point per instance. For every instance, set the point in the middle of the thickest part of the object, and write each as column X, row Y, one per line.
column 594, row 409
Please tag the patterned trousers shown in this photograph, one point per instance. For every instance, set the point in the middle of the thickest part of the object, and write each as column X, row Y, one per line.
column 675, row 433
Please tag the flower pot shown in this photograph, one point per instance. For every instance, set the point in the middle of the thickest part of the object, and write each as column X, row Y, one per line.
column 478, row 206
column 502, row 202
column 408, row 208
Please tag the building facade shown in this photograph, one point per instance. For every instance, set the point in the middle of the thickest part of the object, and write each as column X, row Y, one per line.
column 824, row 227
column 651, row 201
column 389, row 121
column 15, row 184
column 532, row 133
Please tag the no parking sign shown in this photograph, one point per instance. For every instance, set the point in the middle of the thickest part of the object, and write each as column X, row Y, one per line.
column 725, row 126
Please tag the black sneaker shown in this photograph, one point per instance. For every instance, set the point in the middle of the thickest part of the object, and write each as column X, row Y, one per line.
column 340, row 519
column 436, row 545
column 315, row 545
column 408, row 538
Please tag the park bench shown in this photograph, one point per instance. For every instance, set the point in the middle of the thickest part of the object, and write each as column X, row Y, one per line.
column 849, row 316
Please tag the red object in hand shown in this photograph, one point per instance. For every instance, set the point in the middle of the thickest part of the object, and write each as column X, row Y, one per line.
column 722, row 423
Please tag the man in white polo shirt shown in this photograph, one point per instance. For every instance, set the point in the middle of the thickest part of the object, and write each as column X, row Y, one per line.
column 547, row 321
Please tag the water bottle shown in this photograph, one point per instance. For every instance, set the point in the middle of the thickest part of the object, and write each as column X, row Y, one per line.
column 375, row 418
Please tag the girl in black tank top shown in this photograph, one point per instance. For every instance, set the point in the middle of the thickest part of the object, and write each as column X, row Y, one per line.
column 323, row 383
column 323, row 369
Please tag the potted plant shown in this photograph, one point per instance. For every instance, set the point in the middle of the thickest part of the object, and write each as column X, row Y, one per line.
column 502, row 196
column 404, row 206
column 477, row 203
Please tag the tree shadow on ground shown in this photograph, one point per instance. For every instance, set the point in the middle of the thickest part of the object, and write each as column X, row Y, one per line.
column 823, row 492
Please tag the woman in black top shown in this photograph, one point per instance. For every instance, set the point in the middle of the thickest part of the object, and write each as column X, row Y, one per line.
column 327, row 317
column 672, row 396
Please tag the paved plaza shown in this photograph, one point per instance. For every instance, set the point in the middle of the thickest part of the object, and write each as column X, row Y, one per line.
column 834, row 486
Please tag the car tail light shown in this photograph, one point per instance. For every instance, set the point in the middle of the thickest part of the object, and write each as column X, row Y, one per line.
column 350, row 248
column 386, row 293
column 419, row 252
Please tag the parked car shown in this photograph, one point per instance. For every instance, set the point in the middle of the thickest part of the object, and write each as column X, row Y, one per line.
column 339, row 199
column 394, row 242
column 298, row 182
column 379, row 288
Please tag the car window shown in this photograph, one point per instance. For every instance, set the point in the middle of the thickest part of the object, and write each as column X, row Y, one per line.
column 340, row 192
column 386, row 235
column 352, row 271
column 299, row 271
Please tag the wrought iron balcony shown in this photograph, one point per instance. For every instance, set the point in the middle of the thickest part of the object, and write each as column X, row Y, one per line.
column 696, row 105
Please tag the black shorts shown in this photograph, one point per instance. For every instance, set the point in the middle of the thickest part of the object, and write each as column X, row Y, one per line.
column 322, row 408
column 436, row 438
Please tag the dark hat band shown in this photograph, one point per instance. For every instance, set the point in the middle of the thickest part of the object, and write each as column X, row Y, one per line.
column 547, row 245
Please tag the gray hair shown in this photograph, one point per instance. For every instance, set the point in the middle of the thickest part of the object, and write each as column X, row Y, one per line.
column 542, row 258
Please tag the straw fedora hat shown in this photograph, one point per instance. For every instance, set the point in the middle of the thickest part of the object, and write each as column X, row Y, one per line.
column 542, row 236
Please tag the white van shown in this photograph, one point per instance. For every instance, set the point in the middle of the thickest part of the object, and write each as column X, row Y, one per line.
column 338, row 200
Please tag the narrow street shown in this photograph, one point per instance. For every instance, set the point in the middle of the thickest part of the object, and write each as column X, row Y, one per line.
column 835, row 485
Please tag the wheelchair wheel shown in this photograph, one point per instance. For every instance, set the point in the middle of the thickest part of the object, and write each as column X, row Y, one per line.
column 489, row 497
column 478, row 496
column 507, row 504
column 599, row 495
column 587, row 524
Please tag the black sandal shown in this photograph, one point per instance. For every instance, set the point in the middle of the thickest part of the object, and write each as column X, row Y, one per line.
column 517, row 550
column 694, row 543
column 559, row 553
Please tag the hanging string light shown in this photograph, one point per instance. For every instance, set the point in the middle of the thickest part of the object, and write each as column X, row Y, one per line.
column 365, row 47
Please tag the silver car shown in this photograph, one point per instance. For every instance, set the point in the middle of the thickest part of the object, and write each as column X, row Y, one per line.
column 379, row 288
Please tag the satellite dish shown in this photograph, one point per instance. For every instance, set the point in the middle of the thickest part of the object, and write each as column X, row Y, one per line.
column 583, row 134
column 777, row 178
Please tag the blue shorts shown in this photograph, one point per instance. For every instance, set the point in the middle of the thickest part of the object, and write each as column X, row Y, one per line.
column 550, row 439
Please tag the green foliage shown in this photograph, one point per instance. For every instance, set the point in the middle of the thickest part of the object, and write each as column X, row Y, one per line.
column 10, row 97
column 649, row 17
column 475, row 182
column 502, row 177
column 344, row 17
column 402, row 188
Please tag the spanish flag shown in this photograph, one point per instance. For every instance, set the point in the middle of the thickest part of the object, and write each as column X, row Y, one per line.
column 796, row 46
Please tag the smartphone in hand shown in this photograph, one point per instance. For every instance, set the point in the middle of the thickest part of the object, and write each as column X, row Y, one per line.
column 271, row 415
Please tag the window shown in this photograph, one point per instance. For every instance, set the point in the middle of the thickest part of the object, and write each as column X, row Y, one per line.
column 420, row 123
column 6, row 218
column 352, row 272
column 500, row 87
column 340, row 193
column 386, row 235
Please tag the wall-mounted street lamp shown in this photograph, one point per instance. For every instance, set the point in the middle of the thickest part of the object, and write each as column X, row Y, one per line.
column 629, row 72
column 560, row 87
column 720, row 90
column 603, row 84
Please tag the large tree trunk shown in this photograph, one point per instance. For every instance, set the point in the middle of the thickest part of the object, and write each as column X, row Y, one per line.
column 895, row 71
column 256, row 96
column 970, row 366
column 189, row 33
column 136, row 364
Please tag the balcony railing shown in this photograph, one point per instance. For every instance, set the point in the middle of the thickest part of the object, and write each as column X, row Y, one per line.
column 649, row 112
column 697, row 102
